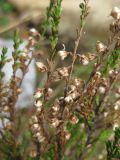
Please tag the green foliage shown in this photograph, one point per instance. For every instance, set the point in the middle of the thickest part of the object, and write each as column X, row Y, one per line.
column 112, row 60
column 52, row 21
column 5, row 6
column 113, row 147
column 5, row 9
column 3, row 59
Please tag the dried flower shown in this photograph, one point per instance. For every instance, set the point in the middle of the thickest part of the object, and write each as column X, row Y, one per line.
column 31, row 41
column 115, row 125
column 9, row 125
column 41, row 67
column 33, row 119
column 38, row 110
column 19, row 91
column 33, row 153
column 63, row 72
column 74, row 120
column 100, row 47
column 68, row 99
column 6, row 109
column 102, row 90
column 50, row 92
column 115, row 13
column 38, row 93
column 116, row 107
column 63, row 54
column 67, row 135
column 105, row 114
column 84, row 59
column 38, row 103
column 91, row 56
column 41, row 139
column 55, row 122
column 77, row 82
column 34, row 32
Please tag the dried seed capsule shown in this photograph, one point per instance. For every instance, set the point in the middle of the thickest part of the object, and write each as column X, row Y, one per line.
column 50, row 92
column 38, row 103
column 35, row 128
column 115, row 13
column 34, row 32
column 6, row 109
column 100, row 47
column 38, row 110
column 102, row 90
column 41, row 67
column 33, row 119
column 9, row 125
column 33, row 153
column 63, row 54
column 55, row 122
column 63, row 72
column 67, row 135
column 41, row 139
column 38, row 93
column 74, row 120
column 84, row 60
column 68, row 99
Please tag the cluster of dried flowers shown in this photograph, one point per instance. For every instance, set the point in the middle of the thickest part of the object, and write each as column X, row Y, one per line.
column 91, row 100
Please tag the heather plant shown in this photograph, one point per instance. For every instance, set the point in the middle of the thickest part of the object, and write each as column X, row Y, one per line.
column 67, row 125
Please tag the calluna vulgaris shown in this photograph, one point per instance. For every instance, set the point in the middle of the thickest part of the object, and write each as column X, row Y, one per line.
column 66, row 126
